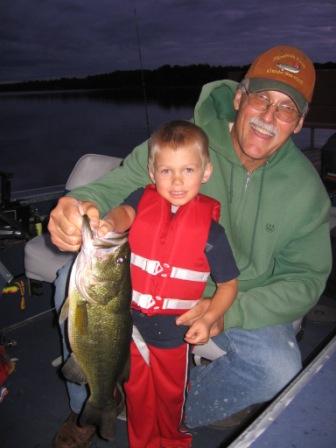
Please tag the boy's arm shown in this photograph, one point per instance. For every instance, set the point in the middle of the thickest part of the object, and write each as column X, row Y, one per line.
column 201, row 329
column 221, row 300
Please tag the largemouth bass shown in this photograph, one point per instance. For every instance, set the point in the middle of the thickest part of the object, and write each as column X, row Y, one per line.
column 99, row 324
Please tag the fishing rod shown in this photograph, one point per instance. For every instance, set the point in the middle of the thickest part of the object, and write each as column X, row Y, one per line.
column 143, row 83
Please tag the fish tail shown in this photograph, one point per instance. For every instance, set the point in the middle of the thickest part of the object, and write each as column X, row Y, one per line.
column 103, row 418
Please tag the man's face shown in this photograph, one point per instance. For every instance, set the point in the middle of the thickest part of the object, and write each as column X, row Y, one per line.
column 256, row 135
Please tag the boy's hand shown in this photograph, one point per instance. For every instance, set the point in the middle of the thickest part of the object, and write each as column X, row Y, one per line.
column 106, row 225
column 198, row 333
column 119, row 219
column 203, row 329
column 217, row 327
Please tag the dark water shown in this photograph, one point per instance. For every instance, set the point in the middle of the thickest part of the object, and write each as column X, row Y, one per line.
column 43, row 135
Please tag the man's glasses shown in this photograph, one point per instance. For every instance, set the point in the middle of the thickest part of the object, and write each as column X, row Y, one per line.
column 259, row 101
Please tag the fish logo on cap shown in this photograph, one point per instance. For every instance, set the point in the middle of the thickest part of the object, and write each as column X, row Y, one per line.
column 289, row 68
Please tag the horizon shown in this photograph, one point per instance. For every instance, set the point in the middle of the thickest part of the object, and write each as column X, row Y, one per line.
column 172, row 66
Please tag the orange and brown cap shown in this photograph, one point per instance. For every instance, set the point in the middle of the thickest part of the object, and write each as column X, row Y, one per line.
column 284, row 69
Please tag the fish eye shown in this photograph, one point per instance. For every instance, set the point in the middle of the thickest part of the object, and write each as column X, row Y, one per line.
column 120, row 260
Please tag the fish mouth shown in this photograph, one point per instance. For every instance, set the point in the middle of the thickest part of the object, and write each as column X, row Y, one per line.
column 110, row 240
column 95, row 252
column 87, row 232
column 109, row 244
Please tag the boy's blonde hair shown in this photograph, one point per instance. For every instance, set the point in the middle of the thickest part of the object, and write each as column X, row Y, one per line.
column 176, row 134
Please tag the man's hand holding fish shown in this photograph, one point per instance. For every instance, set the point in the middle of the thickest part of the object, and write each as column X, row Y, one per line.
column 65, row 224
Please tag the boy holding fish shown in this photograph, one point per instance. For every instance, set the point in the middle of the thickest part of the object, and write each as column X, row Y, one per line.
column 176, row 243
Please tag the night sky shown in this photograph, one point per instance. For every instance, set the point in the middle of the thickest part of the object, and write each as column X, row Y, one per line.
column 43, row 39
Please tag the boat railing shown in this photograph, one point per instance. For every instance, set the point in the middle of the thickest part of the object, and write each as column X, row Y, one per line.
column 35, row 195
column 313, row 125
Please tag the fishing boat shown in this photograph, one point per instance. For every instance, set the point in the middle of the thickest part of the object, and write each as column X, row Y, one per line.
column 34, row 401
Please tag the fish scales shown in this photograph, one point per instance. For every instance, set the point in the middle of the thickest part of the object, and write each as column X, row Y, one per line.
column 99, row 324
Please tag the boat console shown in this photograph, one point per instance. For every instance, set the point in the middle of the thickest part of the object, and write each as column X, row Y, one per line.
column 15, row 217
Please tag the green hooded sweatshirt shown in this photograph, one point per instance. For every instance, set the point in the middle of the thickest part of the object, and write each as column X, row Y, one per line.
column 277, row 219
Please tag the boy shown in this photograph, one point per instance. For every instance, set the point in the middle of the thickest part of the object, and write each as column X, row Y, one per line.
column 175, row 243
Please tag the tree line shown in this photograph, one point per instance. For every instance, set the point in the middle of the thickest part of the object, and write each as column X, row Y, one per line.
column 191, row 76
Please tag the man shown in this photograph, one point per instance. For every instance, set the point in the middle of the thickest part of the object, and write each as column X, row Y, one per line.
column 275, row 212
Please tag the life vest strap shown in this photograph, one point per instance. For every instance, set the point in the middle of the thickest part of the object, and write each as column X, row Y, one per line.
column 147, row 301
column 154, row 267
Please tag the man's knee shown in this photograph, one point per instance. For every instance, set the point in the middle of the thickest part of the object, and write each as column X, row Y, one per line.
column 271, row 355
column 279, row 368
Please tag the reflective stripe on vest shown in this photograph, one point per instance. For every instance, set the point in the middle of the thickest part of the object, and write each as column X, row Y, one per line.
column 141, row 345
column 154, row 267
column 147, row 301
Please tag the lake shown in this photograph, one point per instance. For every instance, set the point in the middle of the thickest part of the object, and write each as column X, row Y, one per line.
column 43, row 134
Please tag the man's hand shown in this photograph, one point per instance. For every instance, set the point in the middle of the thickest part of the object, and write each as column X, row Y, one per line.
column 65, row 222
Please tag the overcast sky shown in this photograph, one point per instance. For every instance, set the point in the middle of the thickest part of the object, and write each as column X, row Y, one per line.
column 41, row 39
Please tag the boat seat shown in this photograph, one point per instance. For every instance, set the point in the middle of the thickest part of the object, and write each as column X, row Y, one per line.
column 42, row 259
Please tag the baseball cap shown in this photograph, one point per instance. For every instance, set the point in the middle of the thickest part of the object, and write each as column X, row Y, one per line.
column 285, row 69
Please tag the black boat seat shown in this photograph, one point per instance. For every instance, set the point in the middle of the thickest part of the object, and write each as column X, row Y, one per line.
column 42, row 259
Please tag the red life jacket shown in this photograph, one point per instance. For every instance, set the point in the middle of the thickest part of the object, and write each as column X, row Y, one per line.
column 169, row 268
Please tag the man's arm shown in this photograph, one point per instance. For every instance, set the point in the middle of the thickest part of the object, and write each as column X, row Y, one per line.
column 115, row 186
column 96, row 199
column 300, row 271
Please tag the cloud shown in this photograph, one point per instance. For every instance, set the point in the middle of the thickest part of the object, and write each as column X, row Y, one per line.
column 53, row 38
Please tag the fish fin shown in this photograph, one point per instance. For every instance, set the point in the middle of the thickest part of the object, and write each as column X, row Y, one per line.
column 102, row 417
column 73, row 371
column 119, row 396
column 64, row 311
column 124, row 375
column 81, row 317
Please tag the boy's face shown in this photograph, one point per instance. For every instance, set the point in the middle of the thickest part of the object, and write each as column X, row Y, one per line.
column 179, row 173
